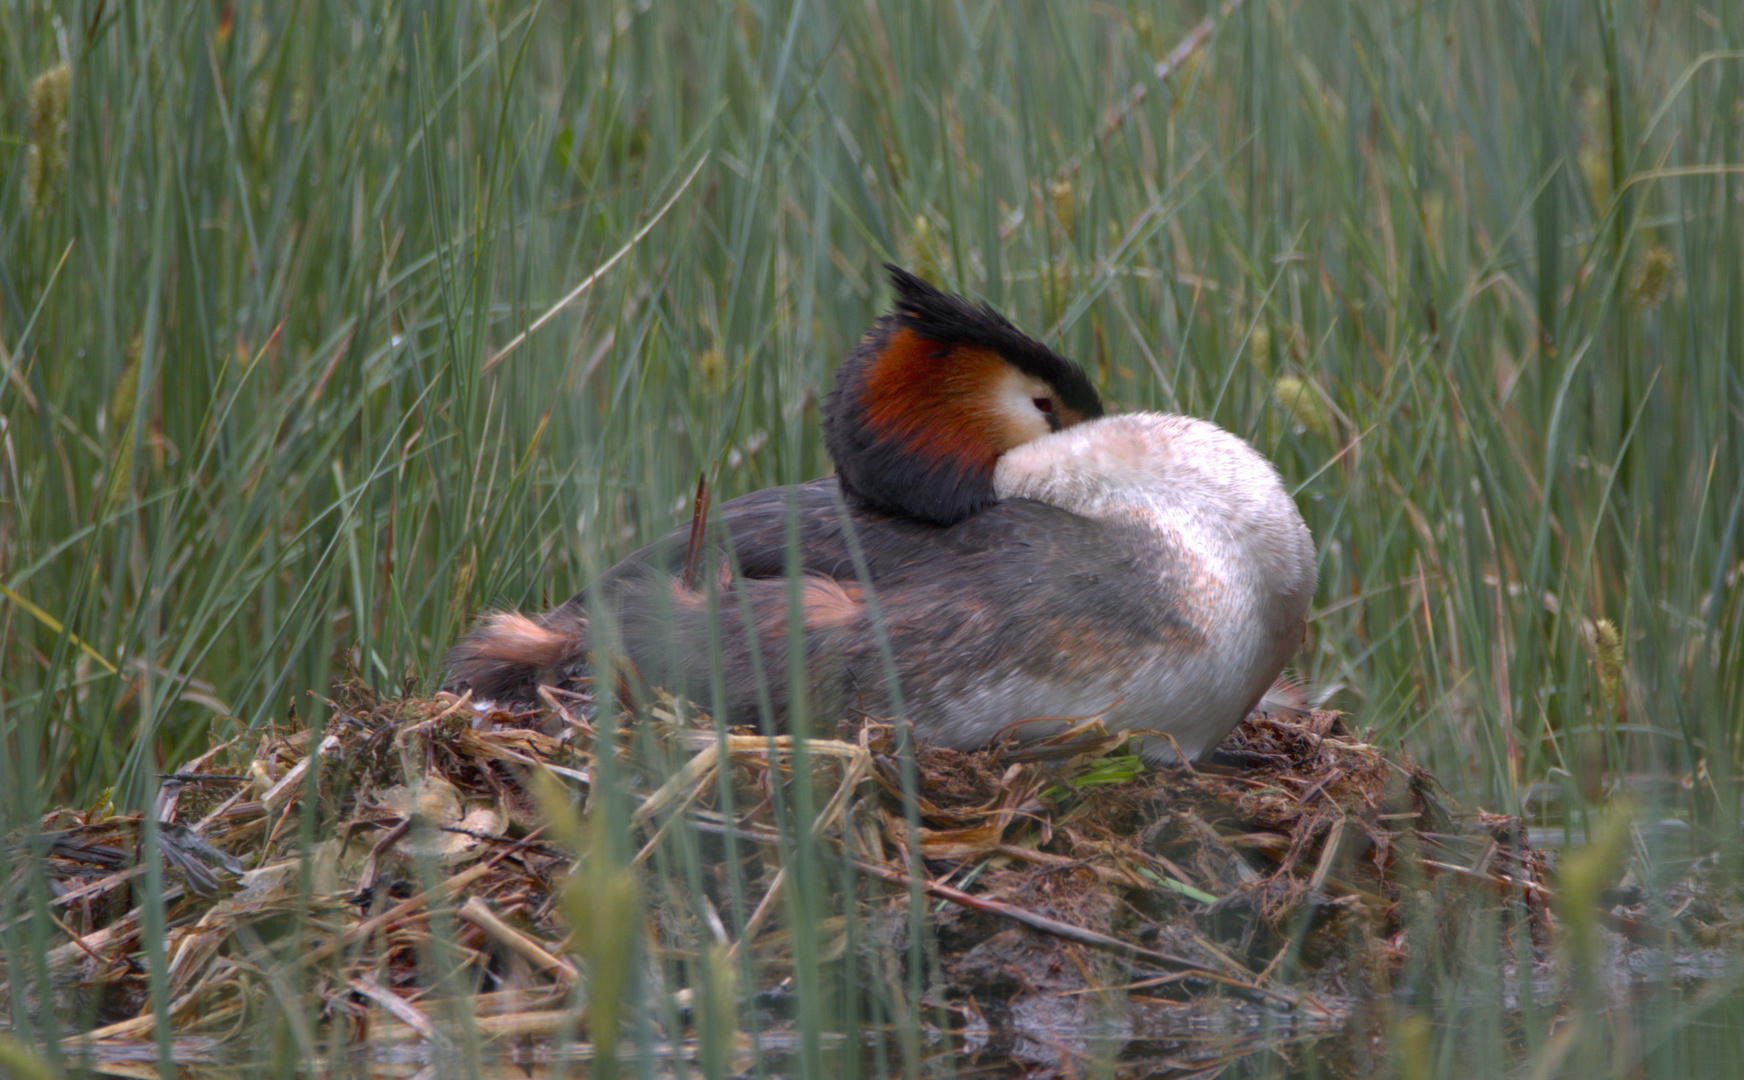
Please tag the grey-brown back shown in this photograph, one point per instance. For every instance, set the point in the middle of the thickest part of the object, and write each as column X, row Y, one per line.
column 1023, row 592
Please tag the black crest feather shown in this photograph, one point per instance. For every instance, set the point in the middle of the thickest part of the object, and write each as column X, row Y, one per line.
column 952, row 320
column 886, row 473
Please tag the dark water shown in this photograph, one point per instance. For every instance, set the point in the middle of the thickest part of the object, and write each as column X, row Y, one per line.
column 1688, row 1031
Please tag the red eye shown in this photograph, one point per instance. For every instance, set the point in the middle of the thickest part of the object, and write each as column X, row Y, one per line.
column 1044, row 404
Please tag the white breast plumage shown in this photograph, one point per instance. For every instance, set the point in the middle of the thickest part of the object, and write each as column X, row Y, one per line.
column 1217, row 502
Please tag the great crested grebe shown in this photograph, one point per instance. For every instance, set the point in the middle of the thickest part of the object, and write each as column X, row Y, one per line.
column 1028, row 559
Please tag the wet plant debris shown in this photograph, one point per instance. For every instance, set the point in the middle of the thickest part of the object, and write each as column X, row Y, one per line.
column 540, row 866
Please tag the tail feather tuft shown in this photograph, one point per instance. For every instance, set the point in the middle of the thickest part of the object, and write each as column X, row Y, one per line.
column 1288, row 696
column 504, row 656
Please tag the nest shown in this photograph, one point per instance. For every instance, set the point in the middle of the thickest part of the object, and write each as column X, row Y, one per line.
column 1072, row 894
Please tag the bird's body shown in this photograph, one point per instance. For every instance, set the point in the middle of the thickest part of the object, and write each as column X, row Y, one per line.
column 1146, row 570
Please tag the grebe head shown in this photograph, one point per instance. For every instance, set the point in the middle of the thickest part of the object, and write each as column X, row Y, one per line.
column 934, row 393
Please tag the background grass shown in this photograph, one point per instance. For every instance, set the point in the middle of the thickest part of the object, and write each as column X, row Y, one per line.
column 1471, row 272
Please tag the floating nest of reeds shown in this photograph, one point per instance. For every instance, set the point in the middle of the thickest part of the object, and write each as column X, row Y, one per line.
column 426, row 867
